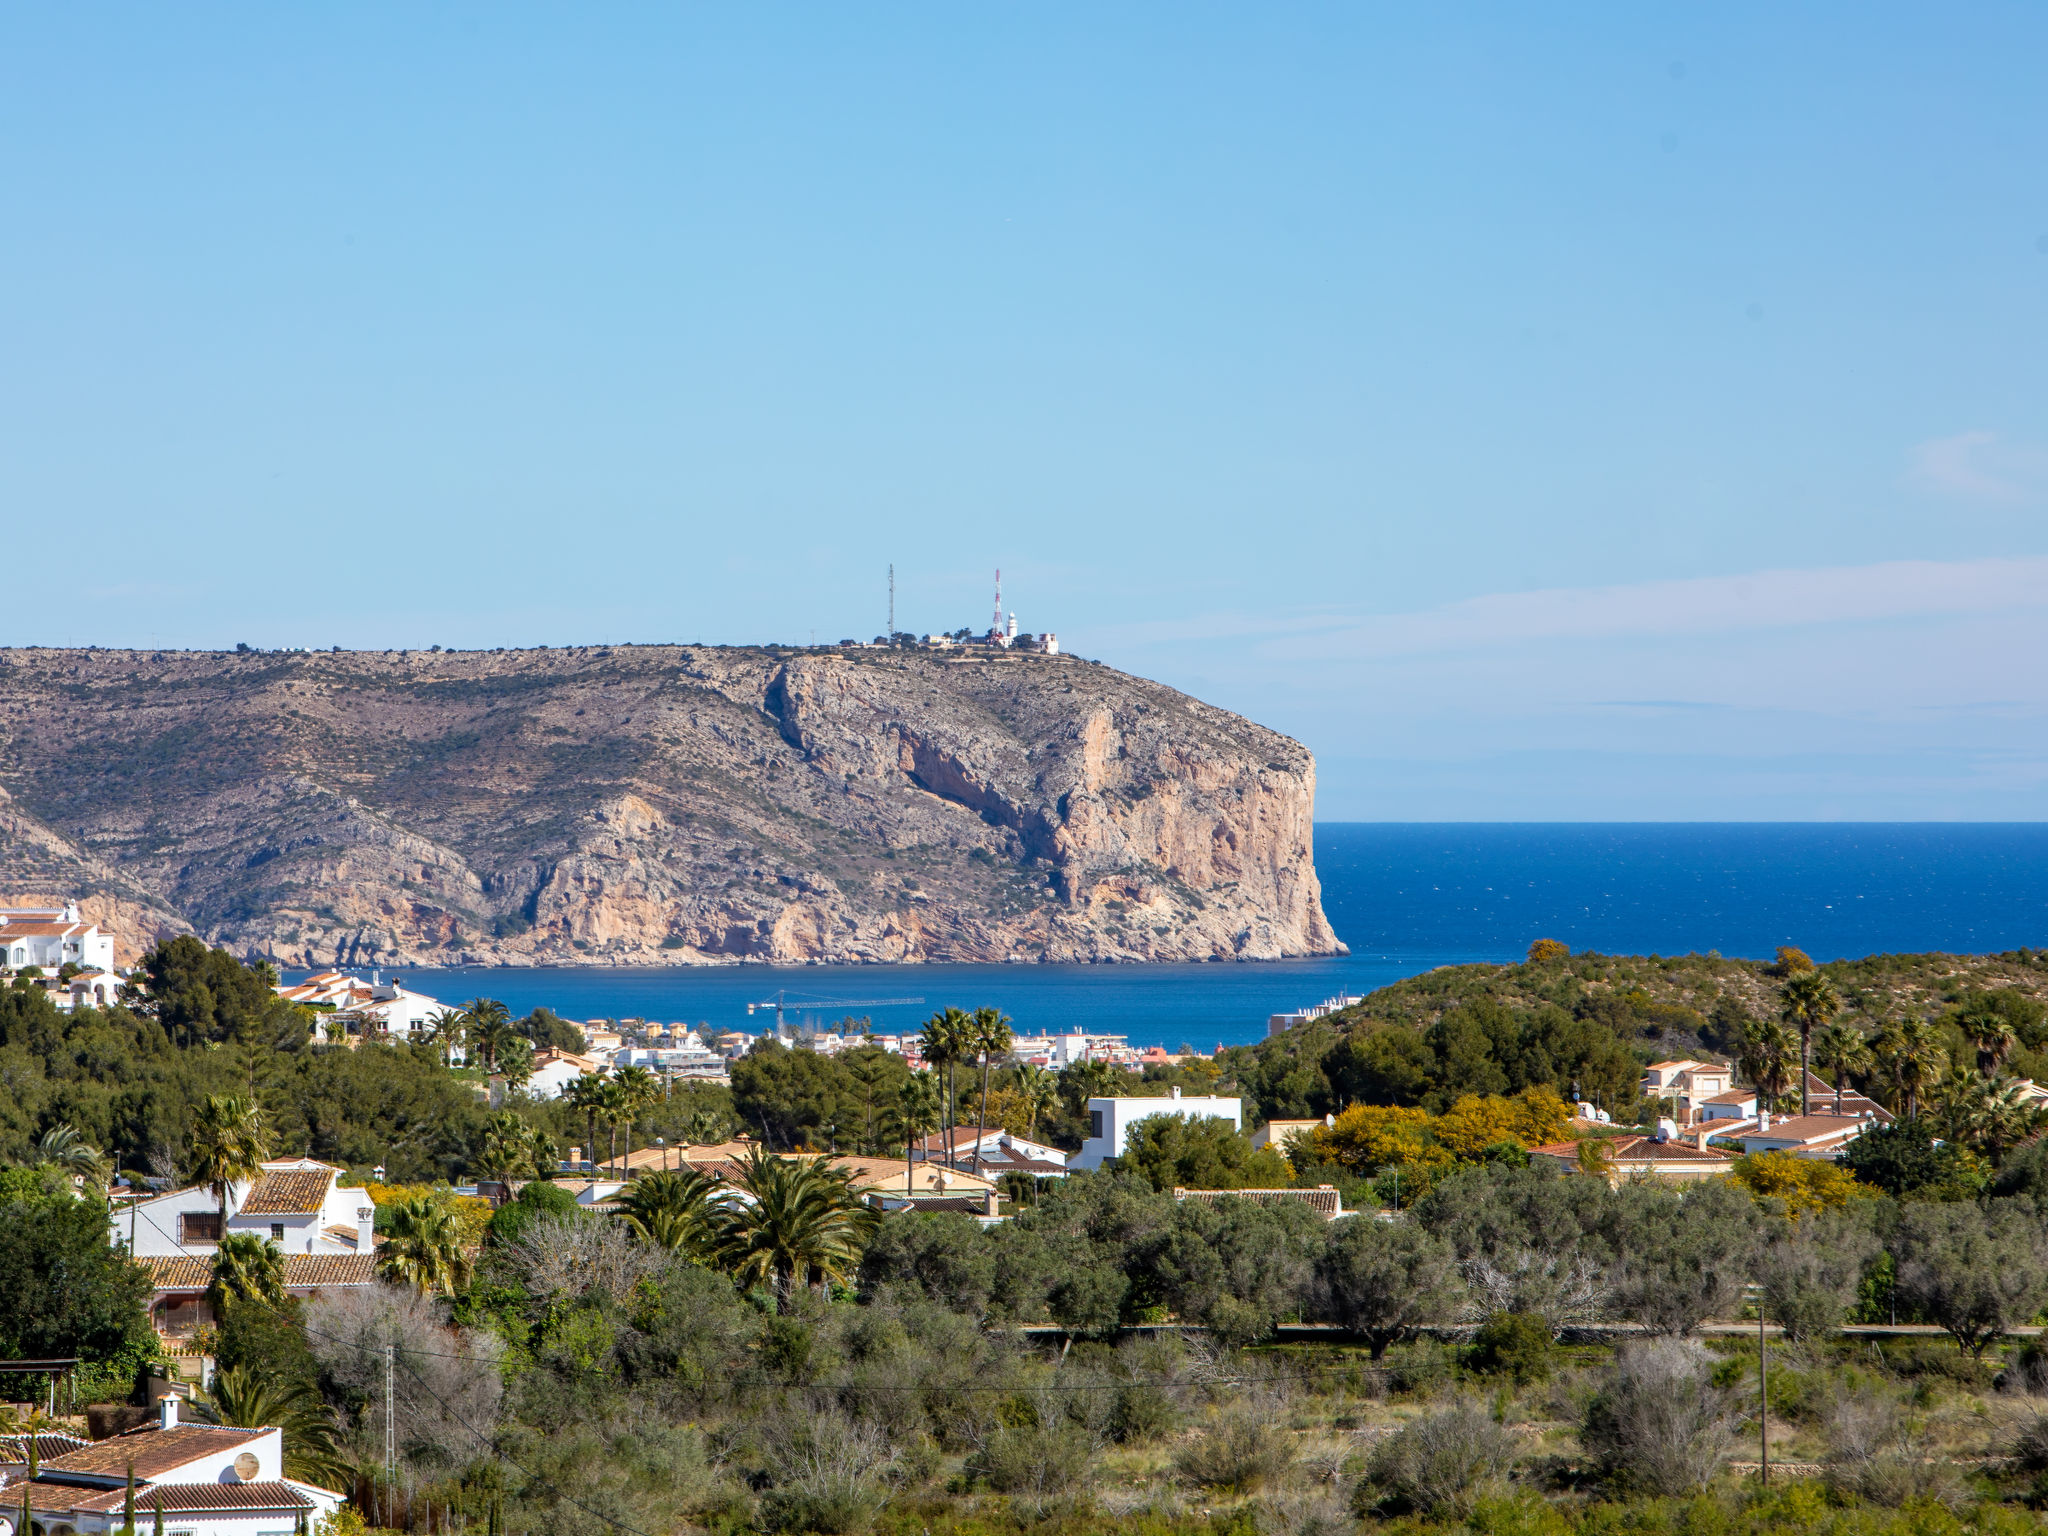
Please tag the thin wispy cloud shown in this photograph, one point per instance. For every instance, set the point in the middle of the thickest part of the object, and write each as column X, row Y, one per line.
column 1980, row 466
column 1755, row 601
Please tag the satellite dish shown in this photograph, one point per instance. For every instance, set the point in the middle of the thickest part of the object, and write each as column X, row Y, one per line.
column 247, row 1466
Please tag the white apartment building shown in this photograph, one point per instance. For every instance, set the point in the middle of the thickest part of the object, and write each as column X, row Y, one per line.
column 53, row 937
column 1110, row 1122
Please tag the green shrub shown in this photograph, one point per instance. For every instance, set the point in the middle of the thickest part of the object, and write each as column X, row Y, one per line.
column 1441, row 1464
column 1516, row 1345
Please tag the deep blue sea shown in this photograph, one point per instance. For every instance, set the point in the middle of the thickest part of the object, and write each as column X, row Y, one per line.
column 1407, row 897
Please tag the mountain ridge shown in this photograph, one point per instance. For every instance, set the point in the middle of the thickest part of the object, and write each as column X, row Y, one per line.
column 654, row 805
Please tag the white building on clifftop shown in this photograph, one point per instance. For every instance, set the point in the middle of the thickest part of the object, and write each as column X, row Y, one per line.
column 53, row 937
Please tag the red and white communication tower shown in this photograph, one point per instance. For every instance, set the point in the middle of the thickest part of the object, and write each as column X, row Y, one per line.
column 995, row 625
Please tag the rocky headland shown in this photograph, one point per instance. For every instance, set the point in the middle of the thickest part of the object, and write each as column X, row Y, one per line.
column 643, row 805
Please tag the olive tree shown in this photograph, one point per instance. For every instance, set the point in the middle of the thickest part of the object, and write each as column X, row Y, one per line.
column 1976, row 1270
column 1384, row 1280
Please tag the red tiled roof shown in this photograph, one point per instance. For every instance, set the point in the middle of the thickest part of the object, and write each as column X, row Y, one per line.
column 14, row 1448
column 302, row 1271
column 1808, row 1128
column 184, row 1498
column 1323, row 1201
column 153, row 1451
column 287, row 1192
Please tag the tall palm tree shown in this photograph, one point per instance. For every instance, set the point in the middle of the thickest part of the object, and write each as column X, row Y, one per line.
column 423, row 1248
column 229, row 1143
column 679, row 1211
column 639, row 1091
column 707, row 1128
column 1840, row 1049
column 1766, row 1058
column 947, row 1034
column 245, row 1268
column 247, row 1399
column 1041, row 1090
column 802, row 1224
column 587, row 1094
column 64, row 1151
column 445, row 1030
column 1909, row 1053
column 919, row 1111
column 615, row 1104
column 2007, row 1117
column 990, row 1035
column 1808, row 1001
column 488, row 1023
column 508, row 1149
column 1956, row 1104
column 1992, row 1034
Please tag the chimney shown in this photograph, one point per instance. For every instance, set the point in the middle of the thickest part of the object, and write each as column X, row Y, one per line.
column 992, row 1203
column 167, row 1411
column 366, row 1227
column 1176, row 1093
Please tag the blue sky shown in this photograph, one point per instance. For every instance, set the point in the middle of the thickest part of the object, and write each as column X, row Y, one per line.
column 1586, row 413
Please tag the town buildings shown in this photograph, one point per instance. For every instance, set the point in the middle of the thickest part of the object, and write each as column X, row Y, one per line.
column 364, row 1009
column 297, row 1203
column 52, row 938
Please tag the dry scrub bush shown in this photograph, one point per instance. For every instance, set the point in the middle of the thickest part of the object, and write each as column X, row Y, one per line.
column 447, row 1384
column 828, row 1475
column 1657, row 1424
column 1238, row 1451
column 1874, row 1455
column 1442, row 1463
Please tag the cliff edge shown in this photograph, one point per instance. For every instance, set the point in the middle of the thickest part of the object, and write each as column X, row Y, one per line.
column 643, row 805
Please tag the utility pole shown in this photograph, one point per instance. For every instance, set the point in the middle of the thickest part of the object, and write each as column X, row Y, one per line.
column 1763, row 1389
column 892, row 602
column 390, row 1430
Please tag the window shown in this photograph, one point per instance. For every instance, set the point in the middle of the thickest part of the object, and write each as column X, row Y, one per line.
column 277, row 1231
column 1095, row 1123
column 199, row 1227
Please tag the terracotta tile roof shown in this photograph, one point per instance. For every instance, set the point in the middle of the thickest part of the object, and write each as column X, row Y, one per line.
column 296, row 1192
column 315, row 1271
column 1810, row 1128
column 14, row 1448
column 341, row 1234
column 1323, row 1200
column 302, row 1271
column 179, row 1273
column 1633, row 1149
column 154, row 1451
column 186, row 1498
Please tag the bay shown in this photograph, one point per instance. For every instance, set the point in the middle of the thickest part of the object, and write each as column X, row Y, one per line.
column 1408, row 897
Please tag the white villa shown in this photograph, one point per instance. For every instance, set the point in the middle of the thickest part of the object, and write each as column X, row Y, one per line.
column 1110, row 1122
column 297, row 1204
column 53, row 937
column 371, row 1007
column 194, row 1479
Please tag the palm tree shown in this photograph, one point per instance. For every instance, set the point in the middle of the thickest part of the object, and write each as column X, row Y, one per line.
column 639, row 1091
column 489, row 1025
column 424, row 1248
column 229, row 1143
column 678, row 1211
column 1766, row 1059
column 946, row 1037
column 1956, row 1103
column 1991, row 1032
column 614, row 1104
column 803, row 1223
column 66, row 1153
column 247, row 1399
column 991, row 1037
column 1909, row 1053
column 1841, row 1049
column 508, row 1147
column 1809, row 1001
column 245, row 1268
column 919, row 1109
column 1041, row 1090
column 707, row 1128
column 587, row 1094
column 445, row 1029
column 2007, row 1117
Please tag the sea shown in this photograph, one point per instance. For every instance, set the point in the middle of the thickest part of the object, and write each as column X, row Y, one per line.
column 1406, row 898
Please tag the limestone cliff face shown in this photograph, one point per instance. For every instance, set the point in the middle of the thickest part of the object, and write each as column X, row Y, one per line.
column 655, row 805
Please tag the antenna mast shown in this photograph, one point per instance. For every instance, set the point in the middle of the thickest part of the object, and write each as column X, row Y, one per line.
column 995, row 626
column 892, row 600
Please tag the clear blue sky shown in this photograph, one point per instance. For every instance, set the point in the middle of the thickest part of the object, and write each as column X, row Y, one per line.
column 1555, row 412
